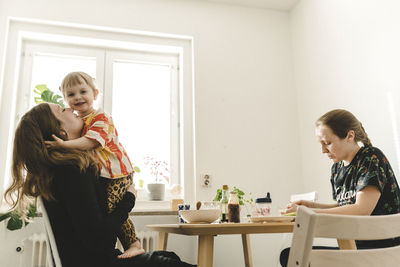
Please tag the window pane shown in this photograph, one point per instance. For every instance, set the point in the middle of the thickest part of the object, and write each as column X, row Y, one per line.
column 141, row 97
column 51, row 70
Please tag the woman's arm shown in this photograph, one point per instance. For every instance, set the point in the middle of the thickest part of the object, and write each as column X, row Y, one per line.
column 366, row 200
column 292, row 207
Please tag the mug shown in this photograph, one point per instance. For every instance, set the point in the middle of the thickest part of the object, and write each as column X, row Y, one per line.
column 183, row 207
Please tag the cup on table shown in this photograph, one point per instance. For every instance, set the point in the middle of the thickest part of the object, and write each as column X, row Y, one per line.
column 175, row 202
column 183, row 207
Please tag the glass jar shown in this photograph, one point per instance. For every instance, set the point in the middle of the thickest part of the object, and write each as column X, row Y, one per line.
column 233, row 207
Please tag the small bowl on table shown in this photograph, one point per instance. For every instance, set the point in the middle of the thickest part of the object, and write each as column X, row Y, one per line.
column 200, row 216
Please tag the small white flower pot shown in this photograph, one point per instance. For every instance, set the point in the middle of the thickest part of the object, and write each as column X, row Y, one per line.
column 156, row 191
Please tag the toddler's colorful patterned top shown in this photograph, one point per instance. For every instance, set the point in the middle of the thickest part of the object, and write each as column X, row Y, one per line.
column 114, row 160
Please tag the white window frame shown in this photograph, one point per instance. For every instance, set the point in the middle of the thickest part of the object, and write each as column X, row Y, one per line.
column 34, row 47
column 20, row 30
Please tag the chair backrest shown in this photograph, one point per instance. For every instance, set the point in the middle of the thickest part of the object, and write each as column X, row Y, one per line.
column 311, row 196
column 309, row 225
column 52, row 252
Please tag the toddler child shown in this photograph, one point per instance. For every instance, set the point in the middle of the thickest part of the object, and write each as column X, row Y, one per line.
column 100, row 135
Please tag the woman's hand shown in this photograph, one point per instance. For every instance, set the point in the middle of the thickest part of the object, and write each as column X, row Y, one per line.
column 132, row 189
column 292, row 207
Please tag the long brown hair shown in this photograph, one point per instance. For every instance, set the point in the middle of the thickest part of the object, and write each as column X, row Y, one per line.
column 33, row 163
column 341, row 122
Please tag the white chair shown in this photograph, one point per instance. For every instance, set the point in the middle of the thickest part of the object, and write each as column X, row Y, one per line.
column 310, row 225
column 287, row 238
column 52, row 252
column 310, row 196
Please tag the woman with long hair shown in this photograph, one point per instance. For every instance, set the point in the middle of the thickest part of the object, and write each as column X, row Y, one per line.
column 73, row 195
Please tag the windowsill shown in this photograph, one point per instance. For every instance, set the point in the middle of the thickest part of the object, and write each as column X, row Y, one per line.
column 154, row 213
column 146, row 205
column 142, row 207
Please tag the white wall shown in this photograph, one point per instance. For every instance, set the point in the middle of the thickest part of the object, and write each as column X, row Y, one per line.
column 347, row 56
column 245, row 104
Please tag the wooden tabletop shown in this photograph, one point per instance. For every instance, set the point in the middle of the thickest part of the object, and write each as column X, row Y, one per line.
column 223, row 228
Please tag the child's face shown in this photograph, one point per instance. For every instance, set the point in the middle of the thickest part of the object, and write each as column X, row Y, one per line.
column 80, row 97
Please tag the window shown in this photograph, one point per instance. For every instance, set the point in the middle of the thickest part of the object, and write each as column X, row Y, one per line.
column 142, row 87
column 145, row 101
column 140, row 92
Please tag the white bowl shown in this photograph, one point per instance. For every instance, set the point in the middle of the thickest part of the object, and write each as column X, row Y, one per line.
column 200, row 216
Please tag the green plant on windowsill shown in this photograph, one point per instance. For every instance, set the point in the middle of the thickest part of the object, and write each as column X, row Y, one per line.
column 15, row 220
column 46, row 95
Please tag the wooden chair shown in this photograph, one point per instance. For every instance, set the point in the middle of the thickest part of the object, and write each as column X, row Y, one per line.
column 310, row 225
column 310, row 196
column 52, row 253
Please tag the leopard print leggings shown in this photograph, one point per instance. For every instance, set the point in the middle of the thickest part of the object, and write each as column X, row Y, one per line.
column 116, row 190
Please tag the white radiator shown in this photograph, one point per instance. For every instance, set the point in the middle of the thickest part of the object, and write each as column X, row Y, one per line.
column 34, row 249
column 148, row 240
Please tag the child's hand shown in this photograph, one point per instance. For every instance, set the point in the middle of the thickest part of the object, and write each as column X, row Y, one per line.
column 57, row 143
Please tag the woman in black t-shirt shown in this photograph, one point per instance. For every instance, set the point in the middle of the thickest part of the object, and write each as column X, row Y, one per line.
column 363, row 182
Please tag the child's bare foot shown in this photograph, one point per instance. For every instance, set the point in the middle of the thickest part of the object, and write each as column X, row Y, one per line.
column 131, row 252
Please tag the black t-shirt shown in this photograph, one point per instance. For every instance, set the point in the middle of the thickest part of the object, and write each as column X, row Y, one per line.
column 369, row 167
column 85, row 234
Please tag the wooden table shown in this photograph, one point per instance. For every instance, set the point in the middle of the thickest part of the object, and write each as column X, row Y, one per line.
column 206, row 233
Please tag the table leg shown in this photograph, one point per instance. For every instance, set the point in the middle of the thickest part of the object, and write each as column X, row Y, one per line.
column 248, row 262
column 162, row 241
column 347, row 244
column 205, row 251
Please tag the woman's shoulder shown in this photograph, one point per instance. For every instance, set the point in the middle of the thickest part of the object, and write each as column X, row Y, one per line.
column 371, row 151
column 71, row 172
column 372, row 154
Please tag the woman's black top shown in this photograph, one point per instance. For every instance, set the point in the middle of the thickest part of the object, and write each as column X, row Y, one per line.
column 369, row 167
column 85, row 233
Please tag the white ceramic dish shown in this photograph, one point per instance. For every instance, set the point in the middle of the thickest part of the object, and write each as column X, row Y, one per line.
column 200, row 216
column 272, row 219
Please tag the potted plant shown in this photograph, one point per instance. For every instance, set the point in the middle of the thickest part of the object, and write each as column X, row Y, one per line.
column 160, row 170
column 18, row 219
column 46, row 95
